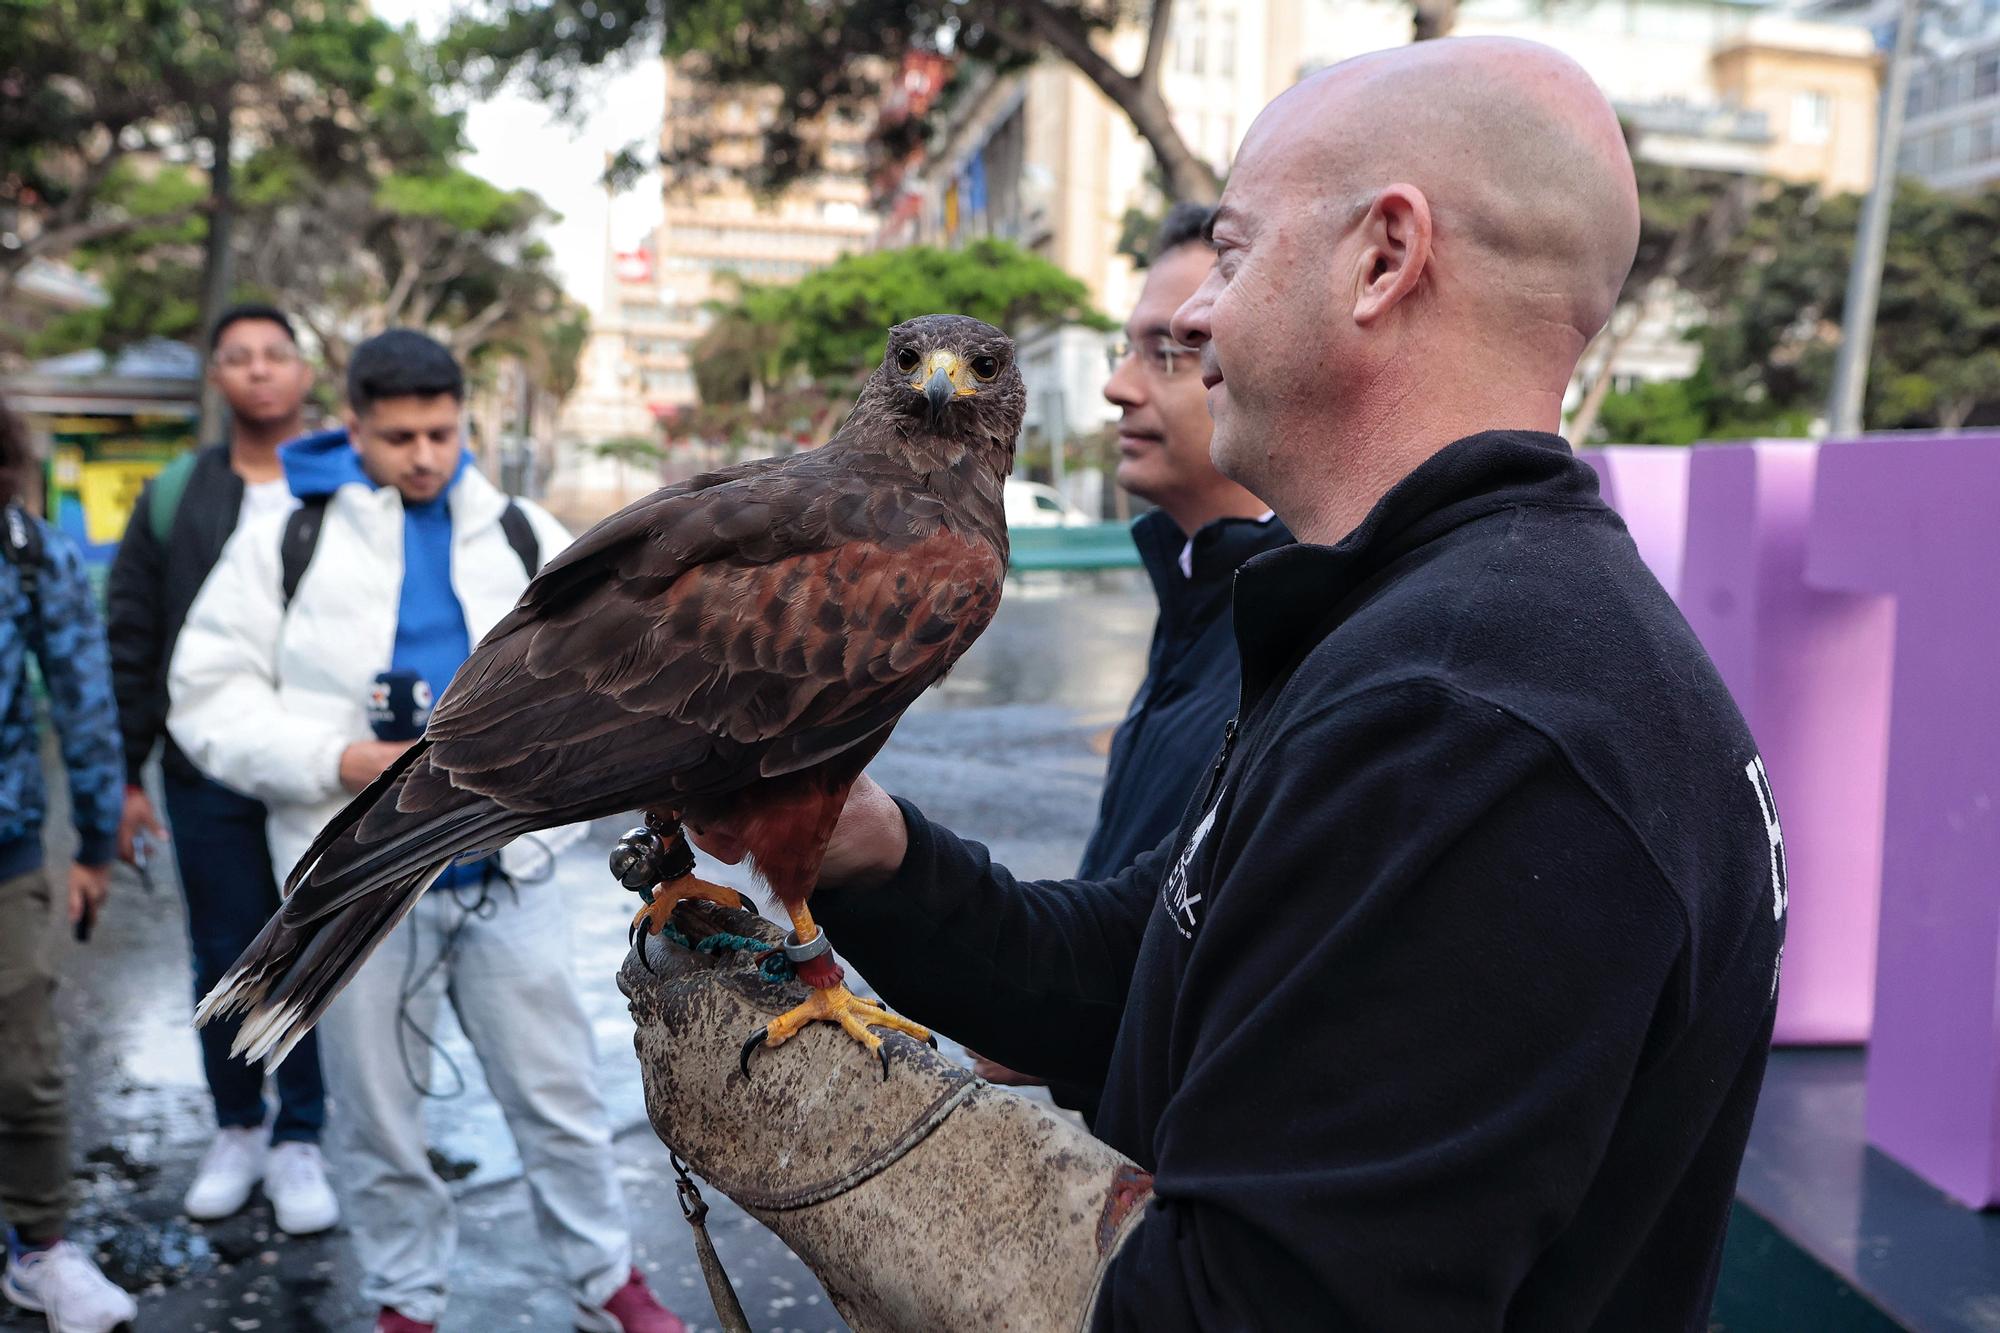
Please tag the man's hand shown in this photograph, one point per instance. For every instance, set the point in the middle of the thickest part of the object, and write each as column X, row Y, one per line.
column 995, row 1072
column 87, row 888
column 139, row 817
column 868, row 845
column 364, row 761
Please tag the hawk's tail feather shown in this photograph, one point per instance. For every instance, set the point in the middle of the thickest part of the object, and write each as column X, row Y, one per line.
column 289, row 975
column 352, row 898
column 327, row 880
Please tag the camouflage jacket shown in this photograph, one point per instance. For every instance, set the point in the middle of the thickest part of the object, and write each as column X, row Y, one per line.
column 67, row 640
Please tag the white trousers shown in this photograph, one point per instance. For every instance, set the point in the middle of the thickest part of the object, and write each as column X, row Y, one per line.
column 507, row 977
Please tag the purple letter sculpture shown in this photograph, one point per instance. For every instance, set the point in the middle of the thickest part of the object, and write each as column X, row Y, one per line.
column 1648, row 486
column 1919, row 520
column 1810, row 670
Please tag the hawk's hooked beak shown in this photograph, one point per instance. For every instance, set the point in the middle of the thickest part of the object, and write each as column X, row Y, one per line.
column 942, row 379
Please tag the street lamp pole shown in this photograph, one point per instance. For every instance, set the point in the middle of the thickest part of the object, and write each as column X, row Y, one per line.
column 1871, row 240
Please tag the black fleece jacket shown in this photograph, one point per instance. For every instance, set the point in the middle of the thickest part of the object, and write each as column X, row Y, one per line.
column 1176, row 718
column 147, row 599
column 1447, row 1006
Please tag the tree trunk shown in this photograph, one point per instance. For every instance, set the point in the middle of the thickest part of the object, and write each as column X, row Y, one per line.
column 218, row 266
column 1584, row 419
column 1433, row 19
column 1189, row 179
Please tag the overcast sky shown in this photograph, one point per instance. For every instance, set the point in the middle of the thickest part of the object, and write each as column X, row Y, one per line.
column 518, row 144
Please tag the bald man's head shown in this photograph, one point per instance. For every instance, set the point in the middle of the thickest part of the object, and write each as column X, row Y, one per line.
column 1456, row 214
column 1519, row 154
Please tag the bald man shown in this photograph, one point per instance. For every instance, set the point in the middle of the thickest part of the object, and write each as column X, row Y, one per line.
column 1447, row 1004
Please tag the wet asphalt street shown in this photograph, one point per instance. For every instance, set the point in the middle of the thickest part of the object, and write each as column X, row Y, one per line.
column 1009, row 749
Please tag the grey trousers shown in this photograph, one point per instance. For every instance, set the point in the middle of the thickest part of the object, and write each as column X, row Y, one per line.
column 34, row 1117
column 507, row 977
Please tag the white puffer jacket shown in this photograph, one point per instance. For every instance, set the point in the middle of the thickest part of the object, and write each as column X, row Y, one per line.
column 264, row 698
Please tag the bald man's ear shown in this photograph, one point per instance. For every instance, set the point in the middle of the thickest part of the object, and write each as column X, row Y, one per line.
column 1395, row 251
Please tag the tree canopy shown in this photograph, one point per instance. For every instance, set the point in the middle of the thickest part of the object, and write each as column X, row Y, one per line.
column 825, row 57
column 1773, row 297
column 92, row 90
column 189, row 153
column 829, row 325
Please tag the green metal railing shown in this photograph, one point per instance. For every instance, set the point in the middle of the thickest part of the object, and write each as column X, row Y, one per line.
column 1098, row 546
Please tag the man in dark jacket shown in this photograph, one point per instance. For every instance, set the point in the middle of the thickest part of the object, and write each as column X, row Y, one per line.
column 177, row 531
column 1447, row 1005
column 1205, row 526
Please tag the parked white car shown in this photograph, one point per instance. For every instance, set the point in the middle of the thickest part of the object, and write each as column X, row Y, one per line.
column 1031, row 504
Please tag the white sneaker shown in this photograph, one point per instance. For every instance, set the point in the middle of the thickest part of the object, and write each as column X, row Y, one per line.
column 63, row 1283
column 231, row 1168
column 295, row 1183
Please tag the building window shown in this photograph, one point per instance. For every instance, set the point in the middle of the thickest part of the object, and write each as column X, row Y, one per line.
column 1986, row 75
column 1812, row 117
column 1190, row 39
column 1961, row 146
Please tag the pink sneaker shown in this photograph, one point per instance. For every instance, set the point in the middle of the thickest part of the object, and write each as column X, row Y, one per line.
column 632, row 1309
column 394, row 1321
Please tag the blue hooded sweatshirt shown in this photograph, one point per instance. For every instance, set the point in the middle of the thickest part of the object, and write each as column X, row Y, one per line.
column 431, row 636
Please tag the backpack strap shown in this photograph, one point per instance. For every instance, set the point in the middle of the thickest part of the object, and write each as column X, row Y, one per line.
column 302, row 527
column 301, row 538
column 21, row 539
column 521, row 536
column 163, row 502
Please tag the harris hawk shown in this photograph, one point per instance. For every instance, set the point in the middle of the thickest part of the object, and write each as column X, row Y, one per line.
column 732, row 649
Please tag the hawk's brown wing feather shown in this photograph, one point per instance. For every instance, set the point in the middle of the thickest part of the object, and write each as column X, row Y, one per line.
column 730, row 672
column 704, row 639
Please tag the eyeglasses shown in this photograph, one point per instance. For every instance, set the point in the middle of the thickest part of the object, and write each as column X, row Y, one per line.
column 1158, row 353
column 240, row 358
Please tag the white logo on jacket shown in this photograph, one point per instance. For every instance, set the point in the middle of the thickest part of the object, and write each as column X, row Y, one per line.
column 1176, row 898
column 1767, row 808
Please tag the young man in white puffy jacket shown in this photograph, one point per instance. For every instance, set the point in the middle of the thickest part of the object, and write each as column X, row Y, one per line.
column 398, row 558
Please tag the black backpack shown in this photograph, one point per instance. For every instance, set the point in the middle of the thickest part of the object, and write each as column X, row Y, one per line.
column 301, row 538
column 21, row 539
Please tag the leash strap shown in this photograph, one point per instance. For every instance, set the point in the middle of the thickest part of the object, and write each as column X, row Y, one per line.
column 728, row 1310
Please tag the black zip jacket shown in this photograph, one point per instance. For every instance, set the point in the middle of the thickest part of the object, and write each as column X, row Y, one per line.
column 147, row 599
column 1190, row 689
column 1447, row 1006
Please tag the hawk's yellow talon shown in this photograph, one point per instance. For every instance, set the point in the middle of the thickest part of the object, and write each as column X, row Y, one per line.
column 652, row 918
column 855, row 1014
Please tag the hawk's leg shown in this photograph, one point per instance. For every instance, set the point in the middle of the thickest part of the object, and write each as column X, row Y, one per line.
column 830, row 1002
column 656, row 863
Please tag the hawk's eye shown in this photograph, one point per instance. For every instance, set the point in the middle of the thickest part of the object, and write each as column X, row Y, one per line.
column 906, row 360
column 986, row 367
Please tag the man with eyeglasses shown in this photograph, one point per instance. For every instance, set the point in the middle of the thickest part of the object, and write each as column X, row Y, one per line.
column 176, row 535
column 1203, row 528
